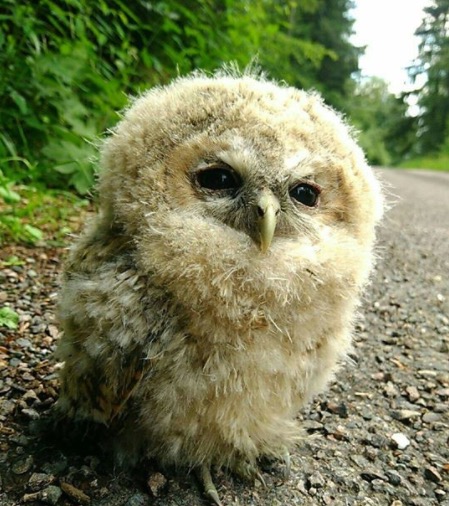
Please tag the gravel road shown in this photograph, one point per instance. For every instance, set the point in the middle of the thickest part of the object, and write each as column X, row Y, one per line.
column 379, row 436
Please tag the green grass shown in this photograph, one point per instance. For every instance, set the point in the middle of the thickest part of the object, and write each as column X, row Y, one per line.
column 39, row 217
column 438, row 162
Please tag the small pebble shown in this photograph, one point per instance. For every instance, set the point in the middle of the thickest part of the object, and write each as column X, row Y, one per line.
column 53, row 331
column 75, row 493
column 443, row 392
column 412, row 393
column 393, row 478
column 51, row 495
column 316, row 480
column 400, row 440
column 56, row 466
column 441, row 494
column 156, row 482
column 391, row 390
column 405, row 415
column 338, row 409
column 6, row 407
column 441, row 407
column 431, row 417
column 39, row 480
column 367, row 415
column 312, row 426
column 137, row 500
column 378, row 441
column 372, row 475
column 30, row 396
column 432, row 474
column 30, row 413
column 23, row 466
column 23, row 343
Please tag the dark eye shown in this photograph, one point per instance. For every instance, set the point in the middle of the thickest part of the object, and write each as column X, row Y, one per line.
column 306, row 194
column 219, row 178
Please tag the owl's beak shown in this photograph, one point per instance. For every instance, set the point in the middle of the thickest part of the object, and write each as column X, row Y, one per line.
column 267, row 209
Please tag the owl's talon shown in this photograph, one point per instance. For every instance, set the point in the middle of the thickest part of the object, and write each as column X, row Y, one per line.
column 288, row 464
column 248, row 471
column 208, row 485
column 261, row 479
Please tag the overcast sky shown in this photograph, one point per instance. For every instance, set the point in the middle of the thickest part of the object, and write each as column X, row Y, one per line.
column 386, row 27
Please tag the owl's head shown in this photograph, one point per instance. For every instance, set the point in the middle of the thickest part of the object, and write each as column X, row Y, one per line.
column 233, row 170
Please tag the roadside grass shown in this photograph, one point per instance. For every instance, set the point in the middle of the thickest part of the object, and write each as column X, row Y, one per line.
column 40, row 217
column 441, row 162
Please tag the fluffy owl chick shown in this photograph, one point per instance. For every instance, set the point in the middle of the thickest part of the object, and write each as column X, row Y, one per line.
column 214, row 292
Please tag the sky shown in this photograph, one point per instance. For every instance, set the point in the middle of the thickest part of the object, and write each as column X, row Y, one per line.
column 387, row 28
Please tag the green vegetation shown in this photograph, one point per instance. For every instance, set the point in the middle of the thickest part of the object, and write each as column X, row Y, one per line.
column 436, row 162
column 431, row 147
column 8, row 318
column 433, row 64
column 35, row 216
column 68, row 66
column 385, row 130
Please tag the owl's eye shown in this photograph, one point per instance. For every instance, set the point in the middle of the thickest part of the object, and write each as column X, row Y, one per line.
column 306, row 194
column 219, row 178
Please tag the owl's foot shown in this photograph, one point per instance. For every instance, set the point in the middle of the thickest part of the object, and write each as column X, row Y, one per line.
column 209, row 488
column 270, row 463
column 248, row 471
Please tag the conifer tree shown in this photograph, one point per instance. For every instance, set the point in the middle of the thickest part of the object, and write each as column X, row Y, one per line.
column 433, row 64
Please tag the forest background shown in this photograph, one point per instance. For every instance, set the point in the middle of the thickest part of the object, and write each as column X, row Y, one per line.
column 68, row 66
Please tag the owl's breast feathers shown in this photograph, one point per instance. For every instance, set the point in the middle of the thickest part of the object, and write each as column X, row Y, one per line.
column 174, row 319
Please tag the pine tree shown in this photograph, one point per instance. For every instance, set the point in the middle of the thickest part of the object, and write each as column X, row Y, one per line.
column 433, row 64
column 331, row 26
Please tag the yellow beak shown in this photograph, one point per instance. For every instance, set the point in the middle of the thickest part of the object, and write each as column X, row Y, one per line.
column 267, row 209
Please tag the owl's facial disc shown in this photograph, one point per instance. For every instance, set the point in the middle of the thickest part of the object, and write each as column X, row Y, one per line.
column 219, row 181
column 268, row 209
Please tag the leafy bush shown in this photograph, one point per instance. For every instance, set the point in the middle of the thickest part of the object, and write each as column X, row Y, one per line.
column 67, row 65
column 70, row 64
column 60, row 86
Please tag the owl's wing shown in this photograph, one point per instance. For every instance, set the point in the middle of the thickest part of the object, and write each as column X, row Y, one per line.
column 100, row 388
column 106, row 329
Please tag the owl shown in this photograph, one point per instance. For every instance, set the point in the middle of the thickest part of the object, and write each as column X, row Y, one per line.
column 214, row 293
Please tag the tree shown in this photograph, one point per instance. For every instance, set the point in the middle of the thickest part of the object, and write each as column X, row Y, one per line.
column 331, row 26
column 433, row 65
column 386, row 131
column 303, row 43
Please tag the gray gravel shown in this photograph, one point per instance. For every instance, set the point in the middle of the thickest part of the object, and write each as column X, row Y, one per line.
column 379, row 436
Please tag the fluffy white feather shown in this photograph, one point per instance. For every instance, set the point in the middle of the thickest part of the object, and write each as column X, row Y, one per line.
column 178, row 328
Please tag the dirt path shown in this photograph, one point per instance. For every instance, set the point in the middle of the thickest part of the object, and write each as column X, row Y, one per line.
column 380, row 436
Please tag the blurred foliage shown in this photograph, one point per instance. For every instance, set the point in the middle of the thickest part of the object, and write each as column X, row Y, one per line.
column 330, row 25
column 432, row 69
column 68, row 65
column 385, row 130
